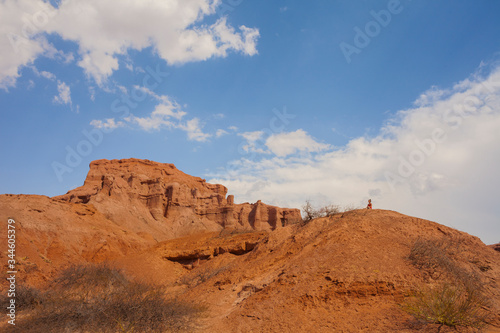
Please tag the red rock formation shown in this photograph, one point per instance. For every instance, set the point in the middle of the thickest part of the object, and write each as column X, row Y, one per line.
column 143, row 195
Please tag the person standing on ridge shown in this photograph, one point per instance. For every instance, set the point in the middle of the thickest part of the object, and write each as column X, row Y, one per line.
column 369, row 204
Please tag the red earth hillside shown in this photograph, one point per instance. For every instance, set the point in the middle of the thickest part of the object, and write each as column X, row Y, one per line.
column 125, row 206
column 346, row 273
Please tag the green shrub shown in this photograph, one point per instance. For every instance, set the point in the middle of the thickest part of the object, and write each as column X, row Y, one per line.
column 458, row 300
column 451, row 305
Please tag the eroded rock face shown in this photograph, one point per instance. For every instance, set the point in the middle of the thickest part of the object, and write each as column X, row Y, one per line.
column 131, row 192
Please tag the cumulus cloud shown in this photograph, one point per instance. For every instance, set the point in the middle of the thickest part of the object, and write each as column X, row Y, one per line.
column 21, row 25
column 167, row 114
column 104, row 30
column 437, row 160
column 281, row 144
column 194, row 130
column 64, row 96
column 174, row 29
column 284, row 144
column 254, row 142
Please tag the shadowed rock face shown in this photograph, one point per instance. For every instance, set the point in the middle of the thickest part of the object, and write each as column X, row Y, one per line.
column 140, row 193
column 496, row 247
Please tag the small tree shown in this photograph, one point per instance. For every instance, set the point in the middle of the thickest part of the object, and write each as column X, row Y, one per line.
column 310, row 213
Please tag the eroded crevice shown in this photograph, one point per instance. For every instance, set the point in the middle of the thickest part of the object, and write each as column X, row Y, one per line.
column 197, row 257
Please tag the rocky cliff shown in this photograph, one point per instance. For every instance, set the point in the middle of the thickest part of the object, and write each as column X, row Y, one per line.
column 142, row 194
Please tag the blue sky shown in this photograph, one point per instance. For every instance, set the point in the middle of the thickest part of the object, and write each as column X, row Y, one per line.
column 263, row 97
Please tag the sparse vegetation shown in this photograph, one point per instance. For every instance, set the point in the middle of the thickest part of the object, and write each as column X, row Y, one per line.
column 28, row 297
column 310, row 212
column 449, row 304
column 200, row 275
column 97, row 298
column 457, row 298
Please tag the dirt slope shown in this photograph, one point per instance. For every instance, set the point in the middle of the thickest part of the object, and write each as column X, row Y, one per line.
column 51, row 234
column 347, row 273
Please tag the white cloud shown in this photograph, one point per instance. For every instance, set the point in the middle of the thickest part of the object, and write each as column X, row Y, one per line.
column 48, row 75
column 255, row 142
column 64, row 96
column 168, row 114
column 194, row 130
column 21, row 22
column 104, row 30
column 107, row 124
column 252, row 136
column 173, row 29
column 220, row 132
column 438, row 160
column 284, row 144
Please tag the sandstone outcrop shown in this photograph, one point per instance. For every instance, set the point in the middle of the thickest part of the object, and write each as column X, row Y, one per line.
column 143, row 195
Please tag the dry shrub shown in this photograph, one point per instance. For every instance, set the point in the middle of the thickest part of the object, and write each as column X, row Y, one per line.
column 97, row 298
column 431, row 257
column 90, row 276
column 450, row 304
column 28, row 297
column 310, row 212
column 459, row 299
column 200, row 275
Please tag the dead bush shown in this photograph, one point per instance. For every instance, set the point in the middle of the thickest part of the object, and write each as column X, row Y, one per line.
column 90, row 276
column 28, row 297
column 96, row 298
column 310, row 212
column 330, row 210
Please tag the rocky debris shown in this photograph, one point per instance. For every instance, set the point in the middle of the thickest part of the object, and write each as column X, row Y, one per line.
column 134, row 193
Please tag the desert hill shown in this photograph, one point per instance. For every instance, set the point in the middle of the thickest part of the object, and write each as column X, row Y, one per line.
column 345, row 273
column 251, row 267
column 124, row 206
